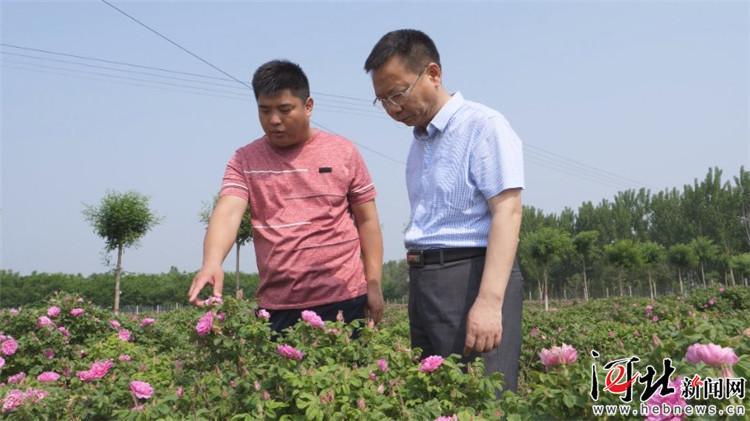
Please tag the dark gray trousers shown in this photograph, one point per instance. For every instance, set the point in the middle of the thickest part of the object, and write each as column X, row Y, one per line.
column 440, row 297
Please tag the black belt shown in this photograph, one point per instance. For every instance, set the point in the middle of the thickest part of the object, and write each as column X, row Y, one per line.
column 419, row 258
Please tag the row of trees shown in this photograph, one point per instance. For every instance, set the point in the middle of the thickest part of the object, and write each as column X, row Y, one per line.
column 122, row 219
column 701, row 234
column 137, row 288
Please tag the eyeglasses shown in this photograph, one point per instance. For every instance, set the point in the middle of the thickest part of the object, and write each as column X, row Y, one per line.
column 397, row 99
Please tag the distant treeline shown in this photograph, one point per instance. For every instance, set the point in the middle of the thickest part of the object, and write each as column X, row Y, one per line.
column 137, row 288
column 147, row 289
column 638, row 243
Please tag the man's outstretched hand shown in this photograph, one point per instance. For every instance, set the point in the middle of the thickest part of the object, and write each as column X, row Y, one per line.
column 208, row 275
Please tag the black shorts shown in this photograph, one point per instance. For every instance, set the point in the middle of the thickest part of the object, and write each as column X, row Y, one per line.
column 352, row 309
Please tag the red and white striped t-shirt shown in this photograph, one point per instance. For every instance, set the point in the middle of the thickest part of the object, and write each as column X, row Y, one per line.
column 306, row 243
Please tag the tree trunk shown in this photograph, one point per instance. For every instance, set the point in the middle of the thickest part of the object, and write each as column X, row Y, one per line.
column 546, row 296
column 118, row 271
column 682, row 287
column 607, row 292
column 539, row 289
column 731, row 276
column 619, row 279
column 651, row 287
column 237, row 290
column 585, row 283
column 630, row 290
column 703, row 275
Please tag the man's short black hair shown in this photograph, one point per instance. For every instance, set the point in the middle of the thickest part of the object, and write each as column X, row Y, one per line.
column 413, row 46
column 277, row 75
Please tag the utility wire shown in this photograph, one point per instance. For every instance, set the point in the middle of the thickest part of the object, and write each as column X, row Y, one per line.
column 572, row 165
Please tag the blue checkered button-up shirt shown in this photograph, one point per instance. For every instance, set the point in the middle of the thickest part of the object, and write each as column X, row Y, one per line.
column 468, row 155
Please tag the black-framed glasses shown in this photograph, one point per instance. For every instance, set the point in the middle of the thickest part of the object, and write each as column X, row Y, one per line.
column 397, row 99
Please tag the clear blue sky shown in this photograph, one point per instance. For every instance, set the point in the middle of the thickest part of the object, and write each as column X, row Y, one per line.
column 654, row 93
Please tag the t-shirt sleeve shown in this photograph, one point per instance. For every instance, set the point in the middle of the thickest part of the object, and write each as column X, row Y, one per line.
column 361, row 187
column 234, row 182
column 496, row 162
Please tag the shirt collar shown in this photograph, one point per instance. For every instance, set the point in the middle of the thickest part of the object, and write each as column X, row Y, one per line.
column 442, row 118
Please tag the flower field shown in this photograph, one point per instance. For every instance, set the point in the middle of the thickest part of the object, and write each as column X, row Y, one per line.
column 69, row 359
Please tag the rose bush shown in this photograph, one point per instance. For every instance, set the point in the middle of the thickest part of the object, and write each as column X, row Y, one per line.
column 223, row 362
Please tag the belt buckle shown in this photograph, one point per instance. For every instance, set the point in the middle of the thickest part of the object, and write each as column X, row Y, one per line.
column 415, row 258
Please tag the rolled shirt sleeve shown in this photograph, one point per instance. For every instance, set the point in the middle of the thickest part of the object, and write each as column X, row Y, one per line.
column 496, row 161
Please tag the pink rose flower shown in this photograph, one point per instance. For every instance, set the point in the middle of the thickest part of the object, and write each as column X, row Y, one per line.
column 655, row 319
column 141, row 390
column 711, row 301
column 12, row 400
column 64, row 331
column 77, row 312
column 98, row 370
column 264, row 314
column 15, row 398
column 221, row 316
column 180, row 391
column 9, row 346
column 721, row 290
column 673, row 400
column 534, row 332
column 383, row 365
column 711, row 354
column 17, row 378
column 312, row 319
column 44, row 321
column 431, row 363
column 123, row 335
column 557, row 355
column 205, row 324
column 2, row 362
column 124, row 358
column 53, row 311
column 147, row 322
column 115, row 324
column 13, row 311
column 213, row 300
column 447, row 418
column 48, row 377
column 290, row 352
column 49, row 353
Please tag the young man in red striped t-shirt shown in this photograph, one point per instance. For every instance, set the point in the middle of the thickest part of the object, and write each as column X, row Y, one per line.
column 315, row 226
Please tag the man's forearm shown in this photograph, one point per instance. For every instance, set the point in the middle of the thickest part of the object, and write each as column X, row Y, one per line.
column 371, row 242
column 501, row 252
column 221, row 233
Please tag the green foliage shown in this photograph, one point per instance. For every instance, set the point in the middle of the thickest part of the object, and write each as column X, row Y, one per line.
column 121, row 218
column 235, row 372
column 682, row 256
column 143, row 289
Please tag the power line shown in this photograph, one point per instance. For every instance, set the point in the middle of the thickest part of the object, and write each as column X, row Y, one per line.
column 574, row 163
column 580, row 164
column 532, row 156
column 175, row 44
column 573, row 167
column 323, row 105
column 364, row 104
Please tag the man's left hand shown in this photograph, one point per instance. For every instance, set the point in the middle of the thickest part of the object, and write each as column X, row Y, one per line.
column 375, row 302
column 484, row 326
